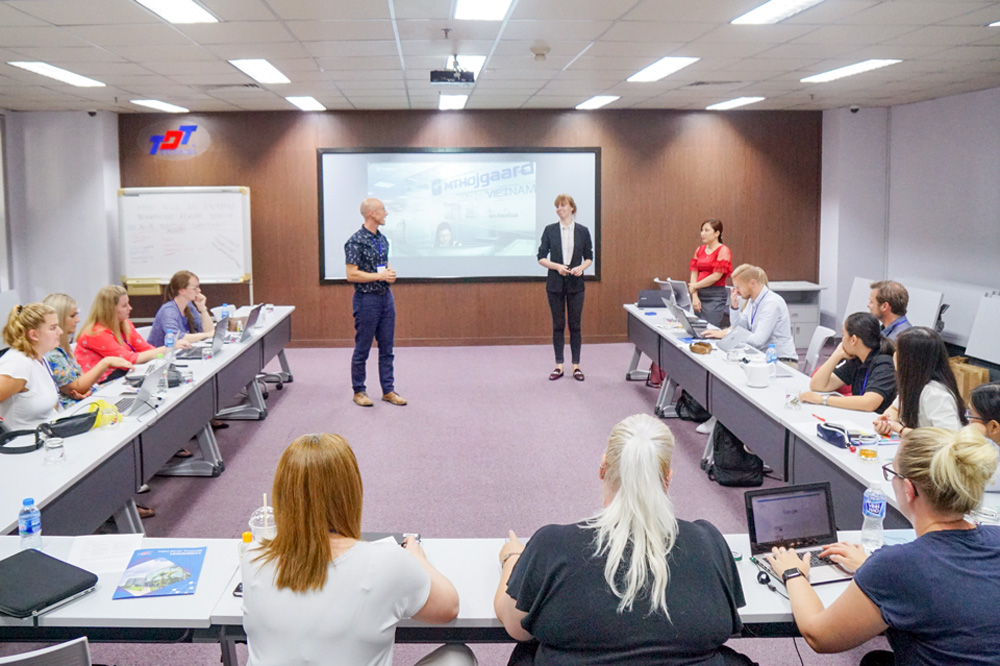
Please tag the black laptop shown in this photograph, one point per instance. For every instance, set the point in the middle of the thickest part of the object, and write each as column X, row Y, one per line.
column 799, row 517
column 32, row 583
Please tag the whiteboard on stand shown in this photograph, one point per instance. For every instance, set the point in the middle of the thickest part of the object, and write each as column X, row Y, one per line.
column 205, row 230
column 983, row 337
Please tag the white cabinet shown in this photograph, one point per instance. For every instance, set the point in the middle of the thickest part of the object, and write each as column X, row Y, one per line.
column 803, row 307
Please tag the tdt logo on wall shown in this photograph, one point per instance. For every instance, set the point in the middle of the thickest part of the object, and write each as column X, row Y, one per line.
column 169, row 141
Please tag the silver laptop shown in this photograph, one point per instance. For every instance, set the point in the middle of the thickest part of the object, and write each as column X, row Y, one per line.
column 251, row 322
column 799, row 517
column 216, row 344
column 737, row 336
column 693, row 330
column 679, row 292
column 145, row 399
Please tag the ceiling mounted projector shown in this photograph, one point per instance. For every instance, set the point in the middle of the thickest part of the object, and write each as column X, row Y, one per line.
column 452, row 77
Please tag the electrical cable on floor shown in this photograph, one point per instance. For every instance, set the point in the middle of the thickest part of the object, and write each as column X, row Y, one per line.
column 801, row 663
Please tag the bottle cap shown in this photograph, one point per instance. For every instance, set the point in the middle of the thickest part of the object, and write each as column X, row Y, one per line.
column 28, row 500
column 247, row 537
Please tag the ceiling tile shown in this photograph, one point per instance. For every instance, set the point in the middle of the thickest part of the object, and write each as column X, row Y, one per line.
column 239, row 10
column 320, row 31
column 443, row 48
column 269, row 51
column 38, row 37
column 85, row 12
column 358, row 48
column 458, row 30
column 310, row 10
column 754, row 34
column 181, row 53
column 10, row 17
column 716, row 11
column 843, row 34
column 129, row 35
column 360, row 65
column 946, row 35
column 237, row 32
column 910, row 13
column 591, row 10
column 439, row 10
column 555, row 30
column 66, row 54
column 649, row 31
column 171, row 67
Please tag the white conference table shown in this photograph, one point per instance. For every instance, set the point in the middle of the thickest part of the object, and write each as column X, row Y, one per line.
column 785, row 438
column 105, row 467
column 214, row 614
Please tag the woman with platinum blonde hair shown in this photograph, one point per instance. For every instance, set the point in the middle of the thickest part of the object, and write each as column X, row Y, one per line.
column 934, row 597
column 630, row 585
column 317, row 593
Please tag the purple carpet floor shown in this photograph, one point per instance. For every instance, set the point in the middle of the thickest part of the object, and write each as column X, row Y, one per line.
column 486, row 444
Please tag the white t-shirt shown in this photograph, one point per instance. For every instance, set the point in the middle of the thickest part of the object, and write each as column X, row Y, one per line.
column 37, row 403
column 352, row 620
column 937, row 408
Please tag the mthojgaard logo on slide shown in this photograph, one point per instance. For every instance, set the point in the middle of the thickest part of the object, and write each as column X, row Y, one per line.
column 475, row 181
column 175, row 142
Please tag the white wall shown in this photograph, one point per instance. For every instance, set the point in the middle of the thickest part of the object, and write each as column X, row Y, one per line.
column 853, row 204
column 63, row 177
column 912, row 190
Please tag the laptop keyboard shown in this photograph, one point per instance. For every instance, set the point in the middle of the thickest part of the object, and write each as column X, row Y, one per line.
column 816, row 561
column 125, row 404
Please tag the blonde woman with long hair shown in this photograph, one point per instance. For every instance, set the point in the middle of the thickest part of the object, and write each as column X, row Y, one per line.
column 109, row 332
column 935, row 597
column 74, row 384
column 317, row 593
column 28, row 395
column 632, row 584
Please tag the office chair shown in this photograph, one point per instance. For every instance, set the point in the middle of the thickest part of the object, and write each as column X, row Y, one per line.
column 819, row 338
column 72, row 653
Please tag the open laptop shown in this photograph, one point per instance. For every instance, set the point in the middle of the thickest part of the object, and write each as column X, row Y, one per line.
column 145, row 399
column 251, row 322
column 650, row 298
column 695, row 329
column 679, row 293
column 218, row 340
column 736, row 336
column 799, row 517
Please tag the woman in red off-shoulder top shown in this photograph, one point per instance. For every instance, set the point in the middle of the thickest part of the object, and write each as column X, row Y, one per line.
column 711, row 265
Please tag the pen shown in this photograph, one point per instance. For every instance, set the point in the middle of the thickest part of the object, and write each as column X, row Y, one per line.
column 820, row 418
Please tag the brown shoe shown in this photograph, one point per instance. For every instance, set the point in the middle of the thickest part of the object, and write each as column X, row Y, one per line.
column 145, row 512
column 361, row 399
column 394, row 398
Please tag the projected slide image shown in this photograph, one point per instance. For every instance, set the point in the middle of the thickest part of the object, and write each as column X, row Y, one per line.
column 447, row 209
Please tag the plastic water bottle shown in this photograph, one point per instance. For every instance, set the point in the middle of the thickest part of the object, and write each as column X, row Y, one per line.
column 162, row 384
column 29, row 525
column 169, row 340
column 772, row 360
column 873, row 510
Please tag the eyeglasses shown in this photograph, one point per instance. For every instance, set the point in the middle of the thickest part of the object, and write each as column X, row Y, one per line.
column 888, row 472
column 969, row 416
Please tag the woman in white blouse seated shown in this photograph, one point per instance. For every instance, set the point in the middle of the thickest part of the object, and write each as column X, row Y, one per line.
column 28, row 396
column 316, row 593
column 928, row 393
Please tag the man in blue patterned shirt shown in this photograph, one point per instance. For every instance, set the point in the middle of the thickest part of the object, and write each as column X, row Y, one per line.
column 367, row 253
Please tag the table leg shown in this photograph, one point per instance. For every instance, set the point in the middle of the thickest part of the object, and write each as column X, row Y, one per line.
column 253, row 410
column 633, row 374
column 665, row 403
column 210, row 464
column 127, row 519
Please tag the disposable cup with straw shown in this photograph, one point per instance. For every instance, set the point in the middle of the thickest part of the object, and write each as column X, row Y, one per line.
column 262, row 522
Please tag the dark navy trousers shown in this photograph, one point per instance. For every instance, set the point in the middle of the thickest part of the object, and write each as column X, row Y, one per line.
column 374, row 319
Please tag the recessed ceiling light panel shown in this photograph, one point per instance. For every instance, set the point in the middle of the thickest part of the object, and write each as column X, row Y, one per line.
column 259, row 70
column 597, row 102
column 661, row 68
column 849, row 70
column 160, row 106
column 179, row 11
column 57, row 73
column 774, row 11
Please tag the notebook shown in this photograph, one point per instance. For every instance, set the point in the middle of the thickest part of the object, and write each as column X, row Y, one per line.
column 650, row 298
column 799, row 517
column 133, row 405
column 251, row 322
column 32, row 583
column 695, row 328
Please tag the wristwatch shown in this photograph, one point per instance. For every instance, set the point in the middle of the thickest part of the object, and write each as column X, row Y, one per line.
column 790, row 574
column 825, row 398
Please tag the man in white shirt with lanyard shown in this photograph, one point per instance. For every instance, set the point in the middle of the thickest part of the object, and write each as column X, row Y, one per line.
column 765, row 314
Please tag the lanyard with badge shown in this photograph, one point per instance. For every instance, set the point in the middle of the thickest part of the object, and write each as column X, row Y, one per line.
column 753, row 312
column 378, row 244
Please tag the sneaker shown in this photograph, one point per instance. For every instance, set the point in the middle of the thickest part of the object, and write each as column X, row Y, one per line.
column 706, row 427
column 394, row 398
column 361, row 399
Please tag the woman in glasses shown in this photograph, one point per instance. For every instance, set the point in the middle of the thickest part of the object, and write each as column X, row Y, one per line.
column 934, row 597
column 984, row 413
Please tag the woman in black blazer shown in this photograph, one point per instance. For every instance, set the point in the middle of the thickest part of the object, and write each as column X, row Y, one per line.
column 564, row 284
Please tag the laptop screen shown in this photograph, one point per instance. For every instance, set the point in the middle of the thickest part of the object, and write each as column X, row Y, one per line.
column 790, row 516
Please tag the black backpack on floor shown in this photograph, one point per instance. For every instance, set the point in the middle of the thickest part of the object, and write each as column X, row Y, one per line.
column 732, row 464
column 688, row 409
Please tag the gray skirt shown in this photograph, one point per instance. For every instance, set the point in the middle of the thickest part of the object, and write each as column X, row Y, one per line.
column 714, row 305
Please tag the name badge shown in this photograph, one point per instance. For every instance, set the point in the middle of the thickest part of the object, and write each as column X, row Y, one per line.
column 380, row 268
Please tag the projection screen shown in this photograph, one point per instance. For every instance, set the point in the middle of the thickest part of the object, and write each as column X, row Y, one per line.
column 459, row 214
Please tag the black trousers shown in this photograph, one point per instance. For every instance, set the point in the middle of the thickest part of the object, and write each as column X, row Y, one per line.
column 565, row 307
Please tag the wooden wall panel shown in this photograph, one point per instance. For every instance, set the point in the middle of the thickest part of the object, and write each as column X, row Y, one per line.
column 663, row 172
